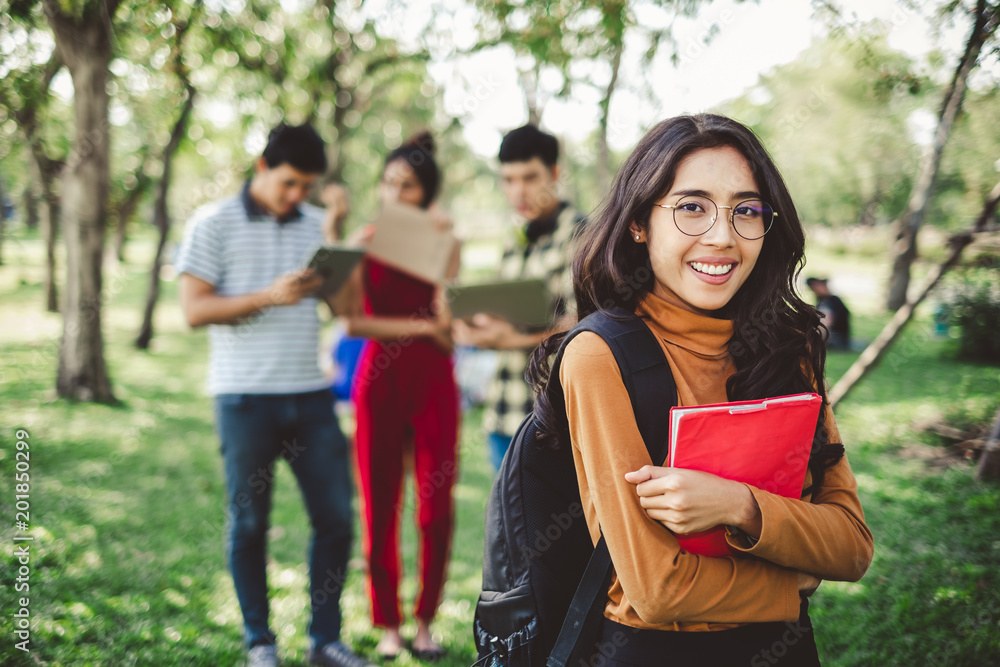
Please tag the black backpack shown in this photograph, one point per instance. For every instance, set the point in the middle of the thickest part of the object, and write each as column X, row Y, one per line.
column 544, row 583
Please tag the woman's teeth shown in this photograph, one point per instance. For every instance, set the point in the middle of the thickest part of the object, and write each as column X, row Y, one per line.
column 712, row 269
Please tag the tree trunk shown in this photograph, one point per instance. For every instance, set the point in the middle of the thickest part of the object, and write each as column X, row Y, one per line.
column 49, row 210
column 905, row 248
column 875, row 351
column 162, row 220
column 866, row 215
column 529, row 84
column 120, row 236
column 161, row 215
column 31, row 207
column 84, row 45
column 48, row 217
column 40, row 202
column 603, row 151
column 50, row 223
column 126, row 209
column 989, row 462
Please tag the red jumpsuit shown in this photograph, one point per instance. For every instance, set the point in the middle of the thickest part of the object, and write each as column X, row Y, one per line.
column 404, row 391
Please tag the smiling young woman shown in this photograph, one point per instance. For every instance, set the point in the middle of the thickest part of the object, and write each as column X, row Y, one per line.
column 703, row 271
column 699, row 237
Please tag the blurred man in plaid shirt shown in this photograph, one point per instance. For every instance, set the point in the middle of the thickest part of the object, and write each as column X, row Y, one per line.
column 540, row 248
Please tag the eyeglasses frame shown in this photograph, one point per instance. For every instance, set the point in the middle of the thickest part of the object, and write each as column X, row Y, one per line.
column 715, row 218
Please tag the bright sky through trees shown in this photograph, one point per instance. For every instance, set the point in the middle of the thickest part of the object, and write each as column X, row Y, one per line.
column 748, row 39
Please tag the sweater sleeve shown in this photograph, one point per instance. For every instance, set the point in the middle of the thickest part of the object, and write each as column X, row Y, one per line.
column 662, row 583
column 827, row 536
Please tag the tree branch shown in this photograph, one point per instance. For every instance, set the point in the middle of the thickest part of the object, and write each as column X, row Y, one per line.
column 874, row 352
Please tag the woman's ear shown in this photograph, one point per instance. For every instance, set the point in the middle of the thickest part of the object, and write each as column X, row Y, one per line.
column 638, row 235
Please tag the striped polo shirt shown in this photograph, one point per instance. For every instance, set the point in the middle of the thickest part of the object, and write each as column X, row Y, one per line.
column 239, row 248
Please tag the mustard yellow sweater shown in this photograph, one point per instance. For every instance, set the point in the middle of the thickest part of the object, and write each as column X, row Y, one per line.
column 655, row 585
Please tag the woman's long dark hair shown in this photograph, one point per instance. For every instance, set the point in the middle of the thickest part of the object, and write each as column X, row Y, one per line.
column 418, row 152
column 776, row 338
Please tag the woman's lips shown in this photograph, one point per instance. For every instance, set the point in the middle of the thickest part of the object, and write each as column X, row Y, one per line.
column 713, row 273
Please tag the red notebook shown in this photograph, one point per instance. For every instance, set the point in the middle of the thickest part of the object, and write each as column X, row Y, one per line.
column 764, row 443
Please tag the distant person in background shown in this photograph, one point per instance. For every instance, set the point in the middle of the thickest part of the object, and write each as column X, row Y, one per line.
column 406, row 398
column 241, row 273
column 836, row 316
column 540, row 248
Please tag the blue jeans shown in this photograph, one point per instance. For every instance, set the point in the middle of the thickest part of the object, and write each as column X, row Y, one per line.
column 498, row 442
column 255, row 429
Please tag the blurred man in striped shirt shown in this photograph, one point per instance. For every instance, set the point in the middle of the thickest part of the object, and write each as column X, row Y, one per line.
column 241, row 267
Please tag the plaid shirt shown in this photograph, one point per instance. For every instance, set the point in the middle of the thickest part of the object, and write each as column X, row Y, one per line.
column 509, row 398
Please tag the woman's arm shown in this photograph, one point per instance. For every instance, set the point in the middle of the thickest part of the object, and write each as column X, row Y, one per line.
column 690, row 501
column 662, row 583
column 826, row 537
column 399, row 329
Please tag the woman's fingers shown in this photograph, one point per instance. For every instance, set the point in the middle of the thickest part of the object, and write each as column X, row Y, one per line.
column 647, row 472
column 685, row 500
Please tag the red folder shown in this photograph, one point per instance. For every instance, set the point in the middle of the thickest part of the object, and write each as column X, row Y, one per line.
column 764, row 443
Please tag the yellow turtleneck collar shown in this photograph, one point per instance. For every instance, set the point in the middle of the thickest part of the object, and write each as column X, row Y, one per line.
column 704, row 336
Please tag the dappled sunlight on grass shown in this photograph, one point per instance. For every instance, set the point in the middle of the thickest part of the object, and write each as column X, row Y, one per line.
column 222, row 608
column 844, row 589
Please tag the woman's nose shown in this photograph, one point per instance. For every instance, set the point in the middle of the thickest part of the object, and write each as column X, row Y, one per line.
column 721, row 233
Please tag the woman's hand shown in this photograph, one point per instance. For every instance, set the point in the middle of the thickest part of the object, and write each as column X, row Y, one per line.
column 485, row 332
column 338, row 205
column 440, row 219
column 690, row 501
column 362, row 236
column 441, row 335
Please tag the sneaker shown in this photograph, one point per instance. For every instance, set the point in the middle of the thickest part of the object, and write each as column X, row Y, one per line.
column 336, row 654
column 263, row 655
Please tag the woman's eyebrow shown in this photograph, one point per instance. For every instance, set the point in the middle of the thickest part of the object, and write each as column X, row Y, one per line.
column 691, row 193
column 745, row 194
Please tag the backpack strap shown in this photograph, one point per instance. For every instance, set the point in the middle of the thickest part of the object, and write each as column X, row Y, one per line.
column 646, row 375
column 652, row 392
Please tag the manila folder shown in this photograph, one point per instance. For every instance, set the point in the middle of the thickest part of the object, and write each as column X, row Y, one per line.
column 406, row 239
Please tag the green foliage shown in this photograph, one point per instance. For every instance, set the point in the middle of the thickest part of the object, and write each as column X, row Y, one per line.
column 969, row 165
column 840, row 123
column 972, row 300
column 557, row 35
column 835, row 121
column 326, row 64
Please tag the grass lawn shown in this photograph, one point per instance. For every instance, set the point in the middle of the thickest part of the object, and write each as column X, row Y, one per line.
column 127, row 564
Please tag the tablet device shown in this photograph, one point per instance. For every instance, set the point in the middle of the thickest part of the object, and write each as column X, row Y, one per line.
column 523, row 303
column 335, row 264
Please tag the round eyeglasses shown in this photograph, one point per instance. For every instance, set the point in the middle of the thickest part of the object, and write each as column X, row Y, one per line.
column 694, row 215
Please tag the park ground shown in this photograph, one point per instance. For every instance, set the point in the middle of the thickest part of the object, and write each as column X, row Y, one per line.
column 126, row 564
